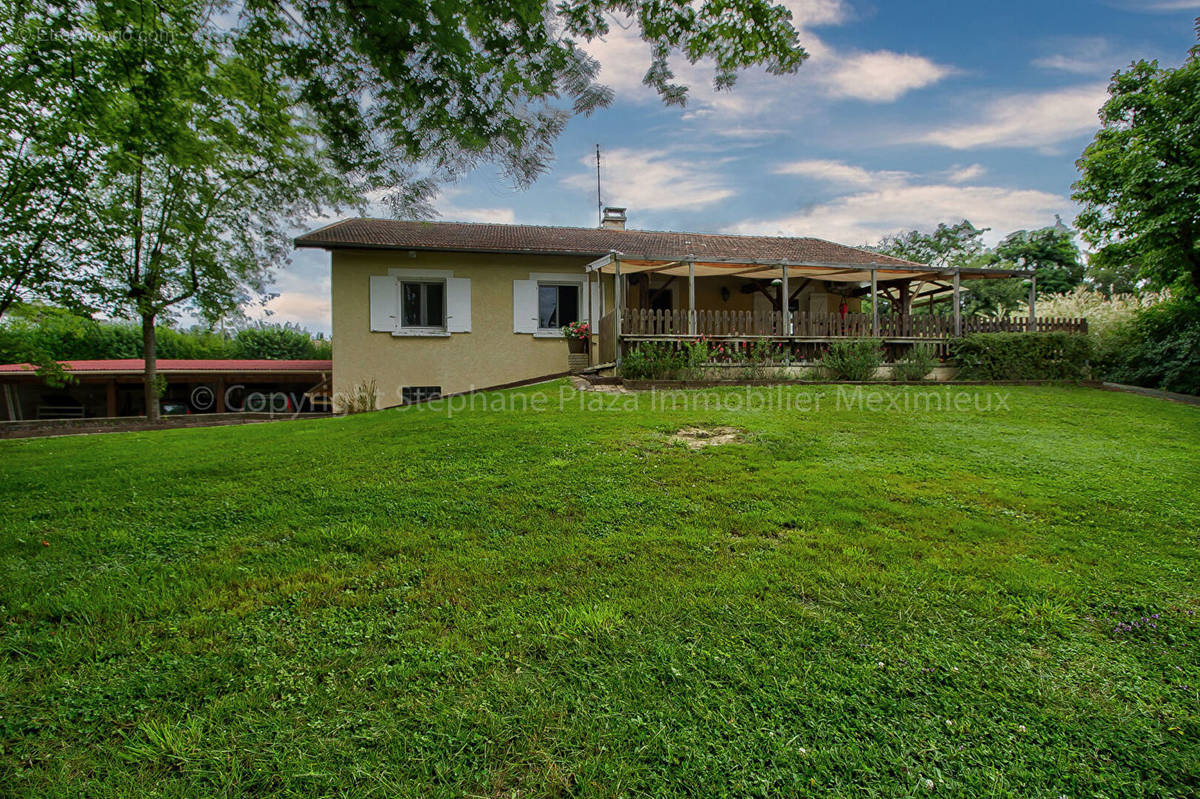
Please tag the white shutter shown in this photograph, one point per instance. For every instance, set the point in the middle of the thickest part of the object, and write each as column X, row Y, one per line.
column 525, row 306
column 385, row 304
column 597, row 311
column 458, row 305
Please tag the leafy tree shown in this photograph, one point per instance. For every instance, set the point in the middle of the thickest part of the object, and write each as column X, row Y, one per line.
column 205, row 166
column 1140, row 177
column 947, row 246
column 994, row 298
column 217, row 126
column 47, row 157
column 1112, row 280
column 1050, row 252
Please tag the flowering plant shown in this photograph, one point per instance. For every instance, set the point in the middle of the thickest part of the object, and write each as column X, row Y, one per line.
column 580, row 331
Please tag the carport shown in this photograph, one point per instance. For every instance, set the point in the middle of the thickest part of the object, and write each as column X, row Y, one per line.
column 112, row 388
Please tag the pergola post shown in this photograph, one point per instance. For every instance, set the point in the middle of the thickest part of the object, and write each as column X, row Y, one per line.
column 691, row 298
column 957, row 305
column 1033, row 303
column 618, row 304
column 591, row 320
column 874, row 303
column 785, row 302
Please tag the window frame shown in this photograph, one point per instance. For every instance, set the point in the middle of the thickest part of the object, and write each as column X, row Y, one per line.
column 560, row 284
column 422, row 311
column 411, row 395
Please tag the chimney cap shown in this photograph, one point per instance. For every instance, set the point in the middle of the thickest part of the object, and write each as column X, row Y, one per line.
column 613, row 218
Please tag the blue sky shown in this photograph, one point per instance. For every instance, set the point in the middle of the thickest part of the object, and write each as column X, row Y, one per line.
column 906, row 114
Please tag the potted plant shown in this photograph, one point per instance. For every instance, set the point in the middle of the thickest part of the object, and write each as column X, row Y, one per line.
column 578, row 336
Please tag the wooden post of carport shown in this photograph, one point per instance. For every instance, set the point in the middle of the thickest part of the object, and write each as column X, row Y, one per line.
column 8, row 402
column 220, row 398
column 111, row 398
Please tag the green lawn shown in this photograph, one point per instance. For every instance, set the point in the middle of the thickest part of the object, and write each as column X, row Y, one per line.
column 561, row 601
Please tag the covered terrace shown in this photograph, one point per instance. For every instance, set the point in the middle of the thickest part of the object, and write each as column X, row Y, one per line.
column 778, row 313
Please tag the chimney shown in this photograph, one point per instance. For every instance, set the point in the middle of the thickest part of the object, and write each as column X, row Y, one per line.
column 613, row 218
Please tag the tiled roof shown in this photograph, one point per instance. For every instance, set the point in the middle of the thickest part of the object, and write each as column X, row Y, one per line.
column 593, row 242
column 136, row 365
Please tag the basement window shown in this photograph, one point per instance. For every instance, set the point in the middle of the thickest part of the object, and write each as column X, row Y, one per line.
column 411, row 394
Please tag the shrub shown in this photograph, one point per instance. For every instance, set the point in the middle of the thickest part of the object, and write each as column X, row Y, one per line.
column 918, row 362
column 1024, row 356
column 282, row 342
column 360, row 399
column 1102, row 312
column 853, row 359
column 653, row 360
column 1158, row 348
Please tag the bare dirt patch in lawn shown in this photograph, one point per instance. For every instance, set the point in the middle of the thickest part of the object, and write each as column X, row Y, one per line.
column 700, row 437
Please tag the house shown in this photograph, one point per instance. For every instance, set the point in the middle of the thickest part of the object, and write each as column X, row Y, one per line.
column 433, row 308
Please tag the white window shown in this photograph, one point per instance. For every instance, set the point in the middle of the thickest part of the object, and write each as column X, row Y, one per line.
column 420, row 302
column 549, row 300
column 558, row 304
column 423, row 304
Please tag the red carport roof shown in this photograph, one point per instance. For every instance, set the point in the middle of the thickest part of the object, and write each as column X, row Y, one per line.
column 167, row 365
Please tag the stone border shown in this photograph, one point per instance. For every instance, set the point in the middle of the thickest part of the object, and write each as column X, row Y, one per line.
column 676, row 385
column 1171, row 396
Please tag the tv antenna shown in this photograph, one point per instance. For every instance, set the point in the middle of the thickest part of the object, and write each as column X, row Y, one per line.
column 599, row 202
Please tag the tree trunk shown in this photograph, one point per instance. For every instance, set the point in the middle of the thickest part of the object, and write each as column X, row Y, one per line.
column 150, row 376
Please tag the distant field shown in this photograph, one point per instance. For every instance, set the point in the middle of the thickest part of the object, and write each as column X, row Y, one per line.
column 997, row 599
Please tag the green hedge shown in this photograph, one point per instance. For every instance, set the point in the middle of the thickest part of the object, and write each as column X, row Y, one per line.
column 1158, row 348
column 1024, row 356
column 49, row 334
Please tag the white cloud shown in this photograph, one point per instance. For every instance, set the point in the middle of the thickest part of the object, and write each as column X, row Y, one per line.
column 838, row 173
column 1164, row 5
column 965, row 174
column 1087, row 55
column 889, row 203
column 1038, row 120
column 450, row 210
column 652, row 180
column 305, row 306
column 807, row 13
column 882, row 76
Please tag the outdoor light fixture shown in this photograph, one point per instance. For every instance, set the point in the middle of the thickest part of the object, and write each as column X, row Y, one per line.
column 776, row 282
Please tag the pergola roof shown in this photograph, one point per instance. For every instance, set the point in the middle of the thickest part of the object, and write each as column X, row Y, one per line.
column 758, row 269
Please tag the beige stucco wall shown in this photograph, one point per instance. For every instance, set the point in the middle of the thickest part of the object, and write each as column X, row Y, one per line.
column 489, row 355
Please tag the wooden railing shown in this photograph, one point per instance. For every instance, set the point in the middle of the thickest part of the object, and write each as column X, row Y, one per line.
column 642, row 323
